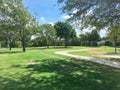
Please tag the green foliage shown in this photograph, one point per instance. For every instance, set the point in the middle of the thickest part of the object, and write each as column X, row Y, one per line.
column 15, row 17
column 114, row 35
column 98, row 13
column 47, row 34
column 90, row 39
column 108, row 43
column 65, row 31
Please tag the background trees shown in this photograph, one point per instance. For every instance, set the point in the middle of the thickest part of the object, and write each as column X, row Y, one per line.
column 16, row 23
column 90, row 39
column 98, row 14
column 94, row 37
column 64, row 31
column 47, row 33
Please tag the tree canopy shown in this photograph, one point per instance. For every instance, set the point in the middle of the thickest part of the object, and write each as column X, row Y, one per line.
column 98, row 13
column 47, row 32
column 90, row 38
column 14, row 16
column 114, row 36
column 64, row 31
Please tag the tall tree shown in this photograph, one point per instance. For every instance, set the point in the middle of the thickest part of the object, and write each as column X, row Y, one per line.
column 6, row 23
column 64, row 31
column 22, row 21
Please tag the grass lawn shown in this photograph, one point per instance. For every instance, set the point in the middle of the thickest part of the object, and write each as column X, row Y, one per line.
column 41, row 69
column 99, row 51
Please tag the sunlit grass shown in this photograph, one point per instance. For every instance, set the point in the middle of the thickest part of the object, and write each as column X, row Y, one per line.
column 41, row 69
column 99, row 51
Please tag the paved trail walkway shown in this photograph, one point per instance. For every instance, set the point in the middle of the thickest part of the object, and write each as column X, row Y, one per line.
column 96, row 60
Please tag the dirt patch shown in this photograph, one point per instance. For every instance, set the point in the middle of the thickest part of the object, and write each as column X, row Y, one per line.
column 95, row 52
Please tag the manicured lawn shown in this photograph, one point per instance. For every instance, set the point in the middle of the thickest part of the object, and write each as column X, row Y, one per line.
column 41, row 69
column 99, row 51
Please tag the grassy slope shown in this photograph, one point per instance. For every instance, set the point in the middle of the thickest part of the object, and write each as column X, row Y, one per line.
column 48, row 71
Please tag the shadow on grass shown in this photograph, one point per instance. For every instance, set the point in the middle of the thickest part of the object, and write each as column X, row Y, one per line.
column 50, row 47
column 59, row 74
column 10, row 52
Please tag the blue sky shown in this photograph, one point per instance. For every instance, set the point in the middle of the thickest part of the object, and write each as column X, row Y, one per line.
column 48, row 11
column 45, row 11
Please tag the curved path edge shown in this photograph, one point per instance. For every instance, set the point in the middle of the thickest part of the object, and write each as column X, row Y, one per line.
column 96, row 60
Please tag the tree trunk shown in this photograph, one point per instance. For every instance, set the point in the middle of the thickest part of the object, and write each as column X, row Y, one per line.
column 9, row 44
column 47, row 46
column 115, row 49
column 91, row 43
column 65, row 43
column 23, row 45
column 0, row 44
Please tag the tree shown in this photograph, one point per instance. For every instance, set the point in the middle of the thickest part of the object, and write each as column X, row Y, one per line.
column 6, row 25
column 90, row 39
column 98, row 13
column 64, row 31
column 47, row 33
column 84, row 39
column 94, row 37
column 25, row 25
column 22, row 22
column 10, row 36
column 114, row 36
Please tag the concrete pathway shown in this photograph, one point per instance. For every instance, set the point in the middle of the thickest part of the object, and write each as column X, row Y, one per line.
column 110, row 55
column 96, row 60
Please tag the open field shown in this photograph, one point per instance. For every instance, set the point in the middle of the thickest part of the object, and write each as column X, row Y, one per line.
column 41, row 69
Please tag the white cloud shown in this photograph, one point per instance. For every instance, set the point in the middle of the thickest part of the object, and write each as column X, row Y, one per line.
column 75, row 11
column 42, row 19
column 51, row 23
column 65, row 16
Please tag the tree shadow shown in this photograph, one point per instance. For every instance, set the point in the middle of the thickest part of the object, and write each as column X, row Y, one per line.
column 10, row 52
column 50, row 47
column 62, row 74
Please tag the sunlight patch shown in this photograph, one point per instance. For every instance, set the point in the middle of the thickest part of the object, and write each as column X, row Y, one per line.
column 99, row 81
column 77, row 73
column 44, row 74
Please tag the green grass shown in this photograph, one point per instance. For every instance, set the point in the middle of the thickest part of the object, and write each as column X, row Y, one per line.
column 82, row 53
column 108, row 50
column 104, row 50
column 41, row 69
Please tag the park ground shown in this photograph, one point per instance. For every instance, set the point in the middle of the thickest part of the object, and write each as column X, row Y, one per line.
column 41, row 69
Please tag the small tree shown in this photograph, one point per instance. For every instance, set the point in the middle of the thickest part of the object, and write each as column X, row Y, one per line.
column 114, row 36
